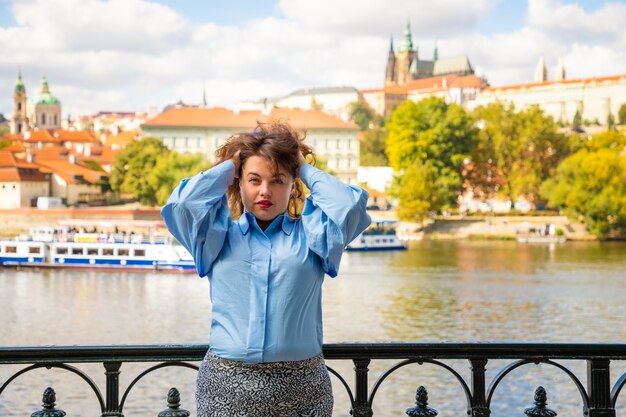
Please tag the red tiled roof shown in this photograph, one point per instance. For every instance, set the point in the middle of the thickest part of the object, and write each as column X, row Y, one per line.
column 69, row 171
column 585, row 81
column 121, row 139
column 76, row 136
column 14, row 169
column 39, row 136
column 220, row 117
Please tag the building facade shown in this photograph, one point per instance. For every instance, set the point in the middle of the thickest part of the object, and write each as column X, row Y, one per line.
column 42, row 111
column 203, row 130
column 593, row 98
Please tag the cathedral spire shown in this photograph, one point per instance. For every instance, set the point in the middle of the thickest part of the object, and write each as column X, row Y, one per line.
column 408, row 39
column 436, row 53
column 560, row 71
column 19, row 85
column 390, row 71
column 203, row 94
column 541, row 72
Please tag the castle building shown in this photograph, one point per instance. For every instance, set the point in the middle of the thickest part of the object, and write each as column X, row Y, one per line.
column 405, row 65
column 43, row 111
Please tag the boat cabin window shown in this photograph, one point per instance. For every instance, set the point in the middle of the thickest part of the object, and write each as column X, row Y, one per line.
column 107, row 251
column 61, row 250
column 92, row 251
column 140, row 252
column 34, row 249
column 11, row 249
column 77, row 251
column 122, row 252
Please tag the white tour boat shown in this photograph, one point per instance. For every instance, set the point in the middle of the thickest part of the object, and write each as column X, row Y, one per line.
column 57, row 248
column 381, row 235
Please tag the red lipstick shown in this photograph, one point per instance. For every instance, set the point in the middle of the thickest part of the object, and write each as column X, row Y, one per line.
column 264, row 204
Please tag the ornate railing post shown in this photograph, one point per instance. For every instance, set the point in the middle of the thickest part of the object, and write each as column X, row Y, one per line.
column 112, row 407
column 479, row 401
column 173, row 405
column 421, row 408
column 540, row 409
column 599, row 388
column 361, row 406
column 49, row 401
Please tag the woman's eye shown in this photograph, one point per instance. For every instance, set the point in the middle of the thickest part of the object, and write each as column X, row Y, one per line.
column 254, row 181
column 278, row 181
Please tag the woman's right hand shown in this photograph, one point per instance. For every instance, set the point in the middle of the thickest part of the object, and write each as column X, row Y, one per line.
column 236, row 160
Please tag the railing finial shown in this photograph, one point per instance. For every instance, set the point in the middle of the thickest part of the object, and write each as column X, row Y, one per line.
column 173, row 405
column 540, row 409
column 421, row 408
column 49, row 401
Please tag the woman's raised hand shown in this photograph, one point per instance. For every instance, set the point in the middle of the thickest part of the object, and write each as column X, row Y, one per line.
column 236, row 160
column 301, row 159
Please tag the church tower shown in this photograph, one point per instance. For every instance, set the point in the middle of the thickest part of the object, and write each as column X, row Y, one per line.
column 541, row 72
column 405, row 57
column 19, row 121
column 390, row 71
column 560, row 71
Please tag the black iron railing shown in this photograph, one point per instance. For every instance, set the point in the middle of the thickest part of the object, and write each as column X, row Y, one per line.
column 598, row 396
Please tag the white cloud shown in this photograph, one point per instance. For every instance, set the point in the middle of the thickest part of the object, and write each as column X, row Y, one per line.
column 129, row 54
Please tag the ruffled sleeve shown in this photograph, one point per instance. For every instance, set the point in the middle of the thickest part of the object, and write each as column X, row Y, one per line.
column 198, row 216
column 333, row 215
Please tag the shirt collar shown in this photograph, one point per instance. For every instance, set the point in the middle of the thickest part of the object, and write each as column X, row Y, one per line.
column 247, row 217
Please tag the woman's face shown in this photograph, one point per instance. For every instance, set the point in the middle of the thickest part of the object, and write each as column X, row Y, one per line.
column 264, row 193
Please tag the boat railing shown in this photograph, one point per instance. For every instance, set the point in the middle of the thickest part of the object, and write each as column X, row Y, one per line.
column 597, row 397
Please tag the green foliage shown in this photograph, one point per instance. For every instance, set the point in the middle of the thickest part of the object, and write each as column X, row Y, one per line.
column 170, row 168
column 5, row 143
column 429, row 140
column 372, row 150
column 610, row 121
column 516, row 151
column 363, row 115
column 133, row 166
column 621, row 114
column 591, row 184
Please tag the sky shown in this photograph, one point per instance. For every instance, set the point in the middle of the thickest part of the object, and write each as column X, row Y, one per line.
column 141, row 55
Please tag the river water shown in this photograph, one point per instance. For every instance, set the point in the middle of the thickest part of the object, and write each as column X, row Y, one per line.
column 436, row 291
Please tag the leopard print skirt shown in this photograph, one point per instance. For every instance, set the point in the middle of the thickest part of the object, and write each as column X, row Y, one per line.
column 228, row 388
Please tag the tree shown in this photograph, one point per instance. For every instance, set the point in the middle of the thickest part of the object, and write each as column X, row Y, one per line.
column 170, row 168
column 439, row 137
column 591, row 184
column 621, row 114
column 610, row 121
column 132, row 167
column 363, row 115
column 515, row 151
column 372, row 150
column 578, row 119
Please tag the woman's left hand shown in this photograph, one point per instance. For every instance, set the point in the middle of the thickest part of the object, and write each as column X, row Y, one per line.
column 301, row 159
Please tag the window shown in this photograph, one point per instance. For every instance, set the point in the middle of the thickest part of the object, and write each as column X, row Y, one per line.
column 140, row 252
column 122, row 252
column 19, row 106
column 43, row 119
column 11, row 249
column 92, row 251
column 34, row 250
column 61, row 250
column 107, row 251
column 77, row 251
column 55, row 119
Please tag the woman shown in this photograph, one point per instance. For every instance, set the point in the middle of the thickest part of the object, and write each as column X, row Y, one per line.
column 265, row 263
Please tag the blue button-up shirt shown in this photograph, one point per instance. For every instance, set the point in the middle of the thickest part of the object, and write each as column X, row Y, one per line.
column 265, row 286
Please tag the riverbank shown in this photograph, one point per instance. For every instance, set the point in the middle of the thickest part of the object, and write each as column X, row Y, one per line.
column 485, row 227
column 17, row 221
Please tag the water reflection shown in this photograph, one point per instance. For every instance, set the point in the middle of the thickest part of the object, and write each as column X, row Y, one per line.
column 436, row 291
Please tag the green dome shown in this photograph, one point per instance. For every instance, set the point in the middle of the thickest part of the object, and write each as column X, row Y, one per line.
column 44, row 96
